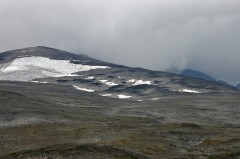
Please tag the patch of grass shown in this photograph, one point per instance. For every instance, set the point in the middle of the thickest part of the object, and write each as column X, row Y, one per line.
column 227, row 155
column 78, row 151
column 219, row 140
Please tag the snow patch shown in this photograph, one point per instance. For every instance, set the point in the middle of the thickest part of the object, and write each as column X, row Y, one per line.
column 38, row 82
column 35, row 81
column 108, row 83
column 73, row 75
column 111, row 83
column 43, row 82
column 131, row 81
column 141, row 82
column 90, row 77
column 188, row 91
column 83, row 89
column 106, row 95
column 121, row 96
column 11, row 69
column 103, row 81
column 29, row 68
column 154, row 99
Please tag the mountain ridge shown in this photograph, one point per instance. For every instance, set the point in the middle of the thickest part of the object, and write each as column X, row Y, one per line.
column 49, row 65
column 201, row 75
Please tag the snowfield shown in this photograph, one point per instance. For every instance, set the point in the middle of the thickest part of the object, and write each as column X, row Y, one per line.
column 83, row 89
column 138, row 82
column 121, row 96
column 154, row 99
column 131, row 81
column 141, row 82
column 90, row 77
column 29, row 68
column 106, row 95
column 188, row 91
column 108, row 83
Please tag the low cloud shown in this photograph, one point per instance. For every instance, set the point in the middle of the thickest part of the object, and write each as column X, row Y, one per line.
column 160, row 35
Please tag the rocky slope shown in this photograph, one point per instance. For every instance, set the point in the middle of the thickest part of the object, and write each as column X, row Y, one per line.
column 47, row 65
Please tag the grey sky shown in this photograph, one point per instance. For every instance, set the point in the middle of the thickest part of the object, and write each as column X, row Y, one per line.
column 155, row 34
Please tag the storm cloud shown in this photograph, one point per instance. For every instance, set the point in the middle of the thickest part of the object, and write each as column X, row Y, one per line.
column 154, row 34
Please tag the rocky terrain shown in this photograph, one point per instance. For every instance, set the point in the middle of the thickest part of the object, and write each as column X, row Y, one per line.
column 95, row 109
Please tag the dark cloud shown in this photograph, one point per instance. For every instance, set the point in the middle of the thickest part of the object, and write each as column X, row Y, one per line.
column 159, row 35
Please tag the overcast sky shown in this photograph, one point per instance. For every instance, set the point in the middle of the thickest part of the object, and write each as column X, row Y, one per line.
column 155, row 34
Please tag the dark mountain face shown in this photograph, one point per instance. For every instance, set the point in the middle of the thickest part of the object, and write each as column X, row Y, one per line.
column 238, row 86
column 48, row 65
column 200, row 75
column 197, row 74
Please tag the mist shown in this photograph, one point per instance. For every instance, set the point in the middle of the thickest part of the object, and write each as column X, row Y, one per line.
column 160, row 35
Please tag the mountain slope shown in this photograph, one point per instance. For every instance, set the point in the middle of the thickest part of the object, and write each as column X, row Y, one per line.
column 47, row 65
column 238, row 86
column 39, row 121
column 68, row 108
column 197, row 74
column 200, row 75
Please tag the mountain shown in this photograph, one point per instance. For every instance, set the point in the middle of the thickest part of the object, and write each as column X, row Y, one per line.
column 55, row 104
column 48, row 65
column 197, row 74
column 200, row 75
column 238, row 86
